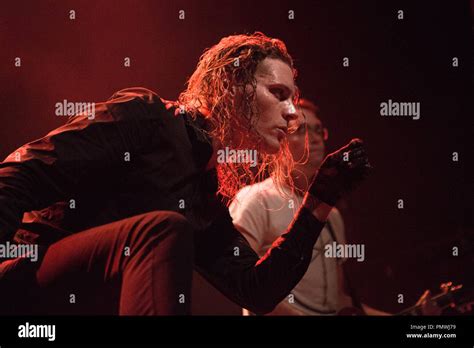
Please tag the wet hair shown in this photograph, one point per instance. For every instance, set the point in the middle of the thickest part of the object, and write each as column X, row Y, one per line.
column 223, row 88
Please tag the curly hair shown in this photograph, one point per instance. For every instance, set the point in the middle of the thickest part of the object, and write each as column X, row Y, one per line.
column 220, row 86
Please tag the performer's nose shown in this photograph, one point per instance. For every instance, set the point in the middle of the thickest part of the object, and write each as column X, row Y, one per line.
column 290, row 113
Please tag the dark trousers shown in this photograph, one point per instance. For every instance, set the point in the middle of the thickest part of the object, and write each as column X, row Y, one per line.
column 137, row 266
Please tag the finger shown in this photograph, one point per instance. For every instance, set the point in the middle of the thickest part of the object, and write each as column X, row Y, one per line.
column 358, row 162
column 353, row 144
column 343, row 157
column 357, row 153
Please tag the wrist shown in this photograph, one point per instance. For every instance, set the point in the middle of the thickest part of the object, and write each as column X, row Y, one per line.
column 317, row 207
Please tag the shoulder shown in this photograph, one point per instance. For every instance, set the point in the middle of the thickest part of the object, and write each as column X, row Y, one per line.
column 262, row 199
column 136, row 102
column 258, row 193
column 137, row 94
column 250, row 200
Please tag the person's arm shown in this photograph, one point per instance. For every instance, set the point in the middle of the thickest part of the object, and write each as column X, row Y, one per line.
column 42, row 172
column 251, row 217
column 225, row 258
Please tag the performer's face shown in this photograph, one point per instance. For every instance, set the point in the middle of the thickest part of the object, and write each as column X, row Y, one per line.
column 310, row 123
column 274, row 101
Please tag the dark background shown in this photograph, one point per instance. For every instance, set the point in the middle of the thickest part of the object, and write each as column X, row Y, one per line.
column 407, row 60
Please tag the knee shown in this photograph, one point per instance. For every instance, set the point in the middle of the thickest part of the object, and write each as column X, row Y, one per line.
column 164, row 225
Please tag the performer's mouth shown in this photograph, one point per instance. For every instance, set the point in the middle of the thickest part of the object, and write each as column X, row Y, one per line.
column 281, row 132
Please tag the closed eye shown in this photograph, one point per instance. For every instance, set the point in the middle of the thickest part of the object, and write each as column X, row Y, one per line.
column 279, row 93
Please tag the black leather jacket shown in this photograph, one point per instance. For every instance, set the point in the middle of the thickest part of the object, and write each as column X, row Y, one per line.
column 139, row 154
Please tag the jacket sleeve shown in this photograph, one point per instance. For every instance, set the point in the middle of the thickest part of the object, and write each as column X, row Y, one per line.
column 42, row 172
column 224, row 257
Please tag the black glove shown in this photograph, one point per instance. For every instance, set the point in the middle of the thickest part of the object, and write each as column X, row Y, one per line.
column 337, row 176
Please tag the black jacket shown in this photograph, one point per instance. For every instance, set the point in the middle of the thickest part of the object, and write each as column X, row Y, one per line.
column 138, row 154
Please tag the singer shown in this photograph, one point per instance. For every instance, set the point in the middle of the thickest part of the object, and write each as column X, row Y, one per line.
column 150, row 198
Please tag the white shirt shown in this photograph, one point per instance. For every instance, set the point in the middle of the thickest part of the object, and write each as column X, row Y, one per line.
column 264, row 215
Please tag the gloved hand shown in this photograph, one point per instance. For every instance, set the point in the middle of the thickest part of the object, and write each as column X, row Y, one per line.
column 338, row 176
